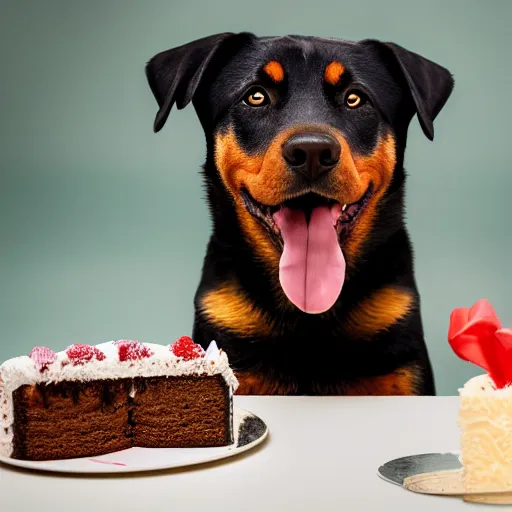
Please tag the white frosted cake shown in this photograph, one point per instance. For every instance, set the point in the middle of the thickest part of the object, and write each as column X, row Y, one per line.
column 89, row 400
column 485, row 421
column 485, row 414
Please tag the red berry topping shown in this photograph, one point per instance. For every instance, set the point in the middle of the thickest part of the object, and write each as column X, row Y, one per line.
column 132, row 350
column 42, row 357
column 185, row 348
column 80, row 354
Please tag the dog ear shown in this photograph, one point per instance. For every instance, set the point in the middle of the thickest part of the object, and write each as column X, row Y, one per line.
column 174, row 75
column 429, row 83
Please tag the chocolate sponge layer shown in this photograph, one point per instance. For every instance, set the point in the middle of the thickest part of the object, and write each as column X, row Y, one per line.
column 183, row 412
column 85, row 419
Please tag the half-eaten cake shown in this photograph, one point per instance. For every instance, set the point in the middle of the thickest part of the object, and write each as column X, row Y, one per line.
column 90, row 400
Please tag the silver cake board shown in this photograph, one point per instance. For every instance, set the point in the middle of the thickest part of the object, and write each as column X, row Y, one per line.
column 438, row 474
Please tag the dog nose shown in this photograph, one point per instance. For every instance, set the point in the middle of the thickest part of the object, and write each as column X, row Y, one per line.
column 312, row 154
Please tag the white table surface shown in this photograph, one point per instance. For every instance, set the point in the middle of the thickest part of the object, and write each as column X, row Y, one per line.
column 321, row 454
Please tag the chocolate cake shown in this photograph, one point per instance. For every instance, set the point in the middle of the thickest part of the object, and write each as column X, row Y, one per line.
column 87, row 401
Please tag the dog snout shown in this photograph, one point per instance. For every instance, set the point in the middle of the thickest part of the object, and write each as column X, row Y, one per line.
column 311, row 154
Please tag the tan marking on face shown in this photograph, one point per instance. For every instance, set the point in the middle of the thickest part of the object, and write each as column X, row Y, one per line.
column 333, row 72
column 275, row 71
column 227, row 307
column 351, row 179
column 378, row 312
column 265, row 177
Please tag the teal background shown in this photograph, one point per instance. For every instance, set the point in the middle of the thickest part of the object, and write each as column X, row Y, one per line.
column 103, row 224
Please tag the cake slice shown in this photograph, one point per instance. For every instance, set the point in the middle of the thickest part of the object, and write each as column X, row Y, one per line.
column 485, row 414
column 485, row 421
column 87, row 401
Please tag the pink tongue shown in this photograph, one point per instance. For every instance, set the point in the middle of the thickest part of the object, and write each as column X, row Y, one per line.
column 312, row 266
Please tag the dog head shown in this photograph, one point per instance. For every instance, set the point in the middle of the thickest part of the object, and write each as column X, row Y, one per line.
column 307, row 136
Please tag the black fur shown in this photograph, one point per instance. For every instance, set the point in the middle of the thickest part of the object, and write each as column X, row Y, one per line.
column 214, row 73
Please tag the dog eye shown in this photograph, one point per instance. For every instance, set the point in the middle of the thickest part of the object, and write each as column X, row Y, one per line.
column 354, row 99
column 256, row 98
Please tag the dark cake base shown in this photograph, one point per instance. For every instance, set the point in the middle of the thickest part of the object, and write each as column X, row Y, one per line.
column 85, row 419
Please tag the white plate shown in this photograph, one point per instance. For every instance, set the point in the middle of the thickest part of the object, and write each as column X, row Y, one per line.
column 249, row 431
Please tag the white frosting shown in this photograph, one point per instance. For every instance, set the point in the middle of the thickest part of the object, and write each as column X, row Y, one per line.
column 485, row 423
column 483, row 385
column 21, row 371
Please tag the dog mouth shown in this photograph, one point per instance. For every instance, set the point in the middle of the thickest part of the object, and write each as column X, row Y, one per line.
column 310, row 231
column 344, row 216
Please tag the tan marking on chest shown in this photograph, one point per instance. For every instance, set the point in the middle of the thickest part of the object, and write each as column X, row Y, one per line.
column 227, row 307
column 255, row 384
column 401, row 382
column 378, row 312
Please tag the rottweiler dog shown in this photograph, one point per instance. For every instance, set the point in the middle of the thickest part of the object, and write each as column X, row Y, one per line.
column 308, row 280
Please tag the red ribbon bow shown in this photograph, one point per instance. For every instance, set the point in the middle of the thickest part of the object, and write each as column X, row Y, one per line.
column 476, row 335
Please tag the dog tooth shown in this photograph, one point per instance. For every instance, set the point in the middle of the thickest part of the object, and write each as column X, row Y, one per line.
column 344, row 208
